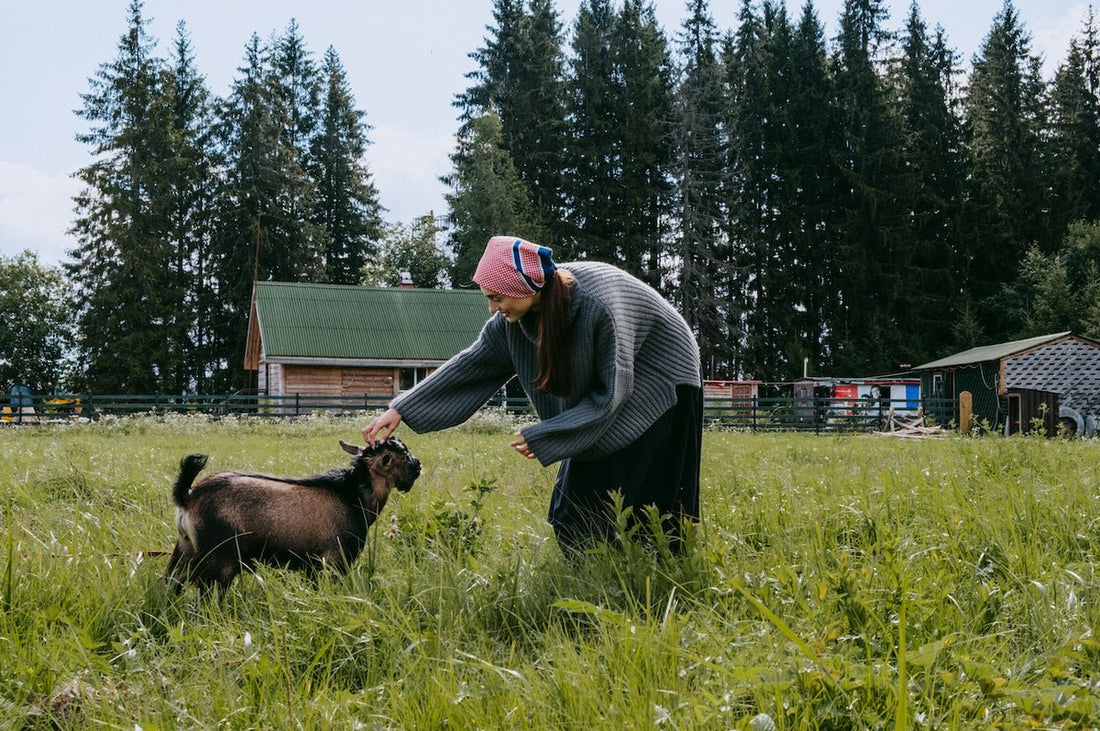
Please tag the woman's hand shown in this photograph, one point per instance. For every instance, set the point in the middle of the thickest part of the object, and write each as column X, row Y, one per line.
column 520, row 445
column 383, row 424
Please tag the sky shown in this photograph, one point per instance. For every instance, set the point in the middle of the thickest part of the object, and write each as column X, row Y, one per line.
column 405, row 60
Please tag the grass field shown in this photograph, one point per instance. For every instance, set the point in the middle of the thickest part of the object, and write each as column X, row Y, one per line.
column 835, row 582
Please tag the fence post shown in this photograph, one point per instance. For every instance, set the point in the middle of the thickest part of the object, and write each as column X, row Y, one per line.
column 966, row 411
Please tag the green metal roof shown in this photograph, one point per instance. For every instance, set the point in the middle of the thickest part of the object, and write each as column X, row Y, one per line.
column 991, row 352
column 385, row 323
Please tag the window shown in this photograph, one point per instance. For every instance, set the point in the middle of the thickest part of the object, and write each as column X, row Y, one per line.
column 412, row 376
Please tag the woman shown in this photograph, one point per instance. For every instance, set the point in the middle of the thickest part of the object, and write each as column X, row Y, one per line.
column 612, row 371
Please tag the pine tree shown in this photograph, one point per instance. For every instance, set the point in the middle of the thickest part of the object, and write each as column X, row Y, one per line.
column 296, row 88
column 520, row 79
column 347, row 205
column 757, row 125
column 644, row 119
column 594, row 147
column 1074, row 136
column 122, row 267
column 1051, row 296
column 534, row 128
column 262, row 228
column 497, row 64
column 295, row 96
column 1062, row 289
column 487, row 199
column 699, row 174
column 808, row 214
column 190, row 172
column 872, row 255
column 1008, row 191
column 620, row 148
column 933, row 194
column 784, row 188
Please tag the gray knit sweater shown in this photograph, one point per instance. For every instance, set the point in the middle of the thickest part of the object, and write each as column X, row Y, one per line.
column 630, row 350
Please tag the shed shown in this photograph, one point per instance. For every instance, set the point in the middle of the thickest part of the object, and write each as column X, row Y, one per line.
column 731, row 390
column 336, row 340
column 876, row 397
column 732, row 397
column 1054, row 379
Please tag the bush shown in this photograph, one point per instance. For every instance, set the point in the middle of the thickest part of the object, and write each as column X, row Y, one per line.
column 446, row 528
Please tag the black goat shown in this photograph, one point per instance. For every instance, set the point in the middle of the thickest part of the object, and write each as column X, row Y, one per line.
column 234, row 520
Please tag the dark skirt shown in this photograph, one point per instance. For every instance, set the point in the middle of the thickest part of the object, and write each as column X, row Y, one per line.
column 660, row 468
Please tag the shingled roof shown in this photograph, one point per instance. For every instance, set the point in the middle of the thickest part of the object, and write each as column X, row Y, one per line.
column 1069, row 365
column 295, row 321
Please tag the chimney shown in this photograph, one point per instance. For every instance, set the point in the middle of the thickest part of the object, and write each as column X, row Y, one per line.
column 406, row 281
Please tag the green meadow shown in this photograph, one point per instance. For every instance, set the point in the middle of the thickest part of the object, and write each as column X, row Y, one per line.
column 835, row 582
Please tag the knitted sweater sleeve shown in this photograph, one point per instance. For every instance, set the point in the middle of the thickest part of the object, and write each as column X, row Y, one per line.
column 462, row 385
column 579, row 427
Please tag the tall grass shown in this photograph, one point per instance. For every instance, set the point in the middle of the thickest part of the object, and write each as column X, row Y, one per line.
column 835, row 582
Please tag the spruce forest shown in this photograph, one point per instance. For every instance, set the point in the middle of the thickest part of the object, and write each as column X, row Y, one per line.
column 858, row 202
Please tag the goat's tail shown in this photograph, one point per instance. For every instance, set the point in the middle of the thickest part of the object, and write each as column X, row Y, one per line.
column 190, row 467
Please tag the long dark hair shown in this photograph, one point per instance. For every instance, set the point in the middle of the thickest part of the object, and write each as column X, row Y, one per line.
column 555, row 374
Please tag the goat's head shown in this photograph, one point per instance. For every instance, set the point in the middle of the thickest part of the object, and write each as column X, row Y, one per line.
column 389, row 458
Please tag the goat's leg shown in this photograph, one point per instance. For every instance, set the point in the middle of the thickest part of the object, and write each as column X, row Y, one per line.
column 224, row 577
column 215, row 568
column 334, row 560
column 212, row 577
column 173, row 559
column 206, row 584
column 178, row 570
column 227, row 570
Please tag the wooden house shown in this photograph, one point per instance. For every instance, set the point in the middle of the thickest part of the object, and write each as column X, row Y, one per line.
column 736, row 391
column 1050, row 380
column 356, row 342
column 731, row 398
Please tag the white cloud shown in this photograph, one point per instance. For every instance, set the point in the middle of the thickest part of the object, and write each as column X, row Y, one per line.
column 1051, row 34
column 35, row 212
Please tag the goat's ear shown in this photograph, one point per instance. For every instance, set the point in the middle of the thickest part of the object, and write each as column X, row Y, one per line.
column 351, row 448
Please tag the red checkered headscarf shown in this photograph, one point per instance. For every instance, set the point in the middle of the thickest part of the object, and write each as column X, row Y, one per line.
column 514, row 267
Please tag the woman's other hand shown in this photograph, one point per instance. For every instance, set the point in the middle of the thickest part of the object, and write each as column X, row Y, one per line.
column 520, row 445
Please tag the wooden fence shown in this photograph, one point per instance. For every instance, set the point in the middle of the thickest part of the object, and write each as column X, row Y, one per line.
column 781, row 413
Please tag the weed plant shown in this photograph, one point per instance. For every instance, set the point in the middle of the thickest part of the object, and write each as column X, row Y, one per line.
column 851, row 582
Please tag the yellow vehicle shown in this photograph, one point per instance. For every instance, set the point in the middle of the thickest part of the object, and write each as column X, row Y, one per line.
column 58, row 406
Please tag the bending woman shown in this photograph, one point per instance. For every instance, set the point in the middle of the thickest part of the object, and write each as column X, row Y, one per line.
column 612, row 371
